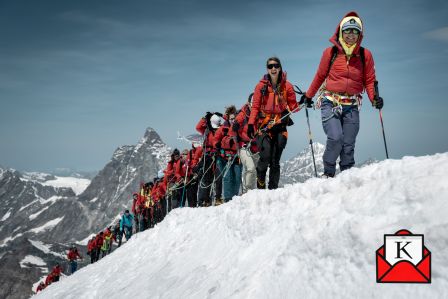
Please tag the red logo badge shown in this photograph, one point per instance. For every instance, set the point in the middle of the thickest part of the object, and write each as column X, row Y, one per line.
column 403, row 259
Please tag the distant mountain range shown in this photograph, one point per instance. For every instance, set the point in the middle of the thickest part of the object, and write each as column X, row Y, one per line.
column 67, row 172
column 39, row 221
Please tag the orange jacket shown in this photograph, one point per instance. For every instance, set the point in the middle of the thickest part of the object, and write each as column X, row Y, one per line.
column 158, row 191
column 201, row 127
column 141, row 203
column 73, row 255
column 272, row 102
column 225, row 140
column 57, row 270
column 181, row 169
column 169, row 172
column 242, row 119
column 197, row 156
column 40, row 287
column 99, row 241
column 91, row 245
column 49, row 280
column 345, row 77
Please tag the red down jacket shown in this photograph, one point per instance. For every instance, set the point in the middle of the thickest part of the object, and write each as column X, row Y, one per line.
column 345, row 76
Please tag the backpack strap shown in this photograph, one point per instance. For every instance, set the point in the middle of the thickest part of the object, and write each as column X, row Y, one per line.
column 264, row 90
column 363, row 61
column 334, row 54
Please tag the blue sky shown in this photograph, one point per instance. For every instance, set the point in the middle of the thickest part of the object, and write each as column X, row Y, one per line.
column 80, row 78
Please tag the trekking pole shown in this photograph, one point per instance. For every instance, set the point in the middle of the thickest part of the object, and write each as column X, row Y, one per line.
column 377, row 94
column 299, row 91
column 183, row 191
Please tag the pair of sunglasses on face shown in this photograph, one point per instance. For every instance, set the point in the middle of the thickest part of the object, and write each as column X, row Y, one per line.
column 274, row 65
column 348, row 31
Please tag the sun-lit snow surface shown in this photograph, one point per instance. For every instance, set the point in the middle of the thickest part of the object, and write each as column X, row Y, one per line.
column 33, row 260
column 311, row 240
column 46, row 248
column 49, row 225
column 78, row 185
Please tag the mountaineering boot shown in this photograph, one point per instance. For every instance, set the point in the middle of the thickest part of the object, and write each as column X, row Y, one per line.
column 327, row 175
column 274, row 177
column 219, row 201
column 261, row 184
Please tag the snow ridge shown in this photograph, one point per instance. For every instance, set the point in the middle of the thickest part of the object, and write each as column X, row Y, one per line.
column 315, row 239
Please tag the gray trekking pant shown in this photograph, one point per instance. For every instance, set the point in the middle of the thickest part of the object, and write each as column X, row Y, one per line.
column 341, row 131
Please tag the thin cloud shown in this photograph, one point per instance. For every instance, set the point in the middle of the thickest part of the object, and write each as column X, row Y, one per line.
column 440, row 34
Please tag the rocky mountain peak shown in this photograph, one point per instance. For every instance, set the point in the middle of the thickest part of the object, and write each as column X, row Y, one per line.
column 300, row 168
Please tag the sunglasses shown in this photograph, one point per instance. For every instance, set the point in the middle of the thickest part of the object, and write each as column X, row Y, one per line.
column 276, row 65
column 348, row 31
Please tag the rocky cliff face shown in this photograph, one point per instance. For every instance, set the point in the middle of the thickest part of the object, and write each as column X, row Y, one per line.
column 38, row 222
column 110, row 191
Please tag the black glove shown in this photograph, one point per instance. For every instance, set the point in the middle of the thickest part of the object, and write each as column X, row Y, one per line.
column 308, row 101
column 250, row 131
column 236, row 127
column 208, row 115
column 378, row 103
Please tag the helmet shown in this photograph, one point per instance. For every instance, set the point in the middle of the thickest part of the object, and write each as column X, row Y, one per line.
column 160, row 174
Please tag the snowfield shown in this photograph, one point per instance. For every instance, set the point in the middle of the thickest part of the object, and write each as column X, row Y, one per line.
column 47, row 226
column 78, row 185
column 33, row 260
column 311, row 240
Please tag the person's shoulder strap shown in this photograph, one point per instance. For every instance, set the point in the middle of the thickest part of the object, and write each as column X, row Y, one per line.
column 264, row 89
column 334, row 54
column 362, row 55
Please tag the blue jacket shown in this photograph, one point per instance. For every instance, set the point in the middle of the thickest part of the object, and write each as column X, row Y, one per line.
column 126, row 221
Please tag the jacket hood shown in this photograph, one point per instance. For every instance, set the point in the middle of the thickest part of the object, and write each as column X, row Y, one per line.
column 334, row 39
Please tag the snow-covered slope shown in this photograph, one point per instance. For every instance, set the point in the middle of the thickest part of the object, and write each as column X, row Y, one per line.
column 311, row 240
column 78, row 185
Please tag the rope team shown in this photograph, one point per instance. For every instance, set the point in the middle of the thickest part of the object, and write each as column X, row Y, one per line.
column 239, row 146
